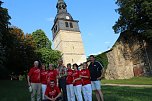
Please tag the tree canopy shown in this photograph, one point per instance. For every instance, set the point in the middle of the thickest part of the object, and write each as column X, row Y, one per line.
column 135, row 16
column 103, row 59
column 41, row 39
column 4, row 35
column 43, row 48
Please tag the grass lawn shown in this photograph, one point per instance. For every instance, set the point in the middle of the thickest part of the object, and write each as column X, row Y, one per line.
column 133, row 81
column 17, row 91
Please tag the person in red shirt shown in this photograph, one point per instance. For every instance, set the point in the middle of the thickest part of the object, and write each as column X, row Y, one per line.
column 69, row 84
column 43, row 80
column 52, row 92
column 77, row 83
column 52, row 74
column 86, row 83
column 34, row 82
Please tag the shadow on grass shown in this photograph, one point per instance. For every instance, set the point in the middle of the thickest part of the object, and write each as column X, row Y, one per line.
column 18, row 91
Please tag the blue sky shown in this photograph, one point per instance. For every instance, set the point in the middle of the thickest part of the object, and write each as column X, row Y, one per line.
column 96, row 18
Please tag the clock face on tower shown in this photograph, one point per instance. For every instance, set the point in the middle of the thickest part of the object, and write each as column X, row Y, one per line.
column 67, row 17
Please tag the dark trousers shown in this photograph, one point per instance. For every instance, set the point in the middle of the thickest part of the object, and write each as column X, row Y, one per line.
column 62, row 86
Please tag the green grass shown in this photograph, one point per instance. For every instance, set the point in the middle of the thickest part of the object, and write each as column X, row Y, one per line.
column 126, row 94
column 13, row 91
column 17, row 91
column 133, row 81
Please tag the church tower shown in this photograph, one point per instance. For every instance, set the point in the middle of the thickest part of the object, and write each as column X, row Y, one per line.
column 67, row 37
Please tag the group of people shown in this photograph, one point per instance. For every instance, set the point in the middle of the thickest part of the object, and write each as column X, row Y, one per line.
column 66, row 83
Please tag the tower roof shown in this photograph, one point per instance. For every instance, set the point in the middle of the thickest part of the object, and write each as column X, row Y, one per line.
column 62, row 11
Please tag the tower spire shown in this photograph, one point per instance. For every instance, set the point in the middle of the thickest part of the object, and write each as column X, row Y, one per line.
column 62, row 12
column 61, row 7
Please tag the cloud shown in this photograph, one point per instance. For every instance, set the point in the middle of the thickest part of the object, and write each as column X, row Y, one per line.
column 50, row 19
column 89, row 34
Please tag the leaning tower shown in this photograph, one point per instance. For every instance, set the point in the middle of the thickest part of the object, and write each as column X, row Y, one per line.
column 66, row 36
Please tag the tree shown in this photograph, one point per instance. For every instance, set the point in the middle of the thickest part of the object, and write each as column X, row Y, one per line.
column 48, row 56
column 43, row 48
column 103, row 59
column 21, row 53
column 41, row 39
column 4, row 38
column 30, row 48
column 135, row 16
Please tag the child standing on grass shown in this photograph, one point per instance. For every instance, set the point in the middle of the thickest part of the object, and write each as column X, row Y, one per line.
column 86, row 83
column 43, row 80
column 77, row 83
column 69, row 84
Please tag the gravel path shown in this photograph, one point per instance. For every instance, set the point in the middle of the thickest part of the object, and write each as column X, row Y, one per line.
column 125, row 85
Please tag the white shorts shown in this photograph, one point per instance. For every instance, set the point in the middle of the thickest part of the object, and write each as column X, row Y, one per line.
column 96, row 85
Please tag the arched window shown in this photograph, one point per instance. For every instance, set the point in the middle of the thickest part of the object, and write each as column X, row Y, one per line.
column 71, row 25
column 66, row 24
column 60, row 6
column 56, row 28
column 63, row 6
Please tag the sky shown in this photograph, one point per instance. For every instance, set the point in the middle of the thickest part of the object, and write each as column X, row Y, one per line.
column 96, row 18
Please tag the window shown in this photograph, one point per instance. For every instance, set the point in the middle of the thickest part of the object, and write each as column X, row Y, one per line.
column 55, row 29
column 63, row 6
column 66, row 24
column 60, row 7
column 71, row 25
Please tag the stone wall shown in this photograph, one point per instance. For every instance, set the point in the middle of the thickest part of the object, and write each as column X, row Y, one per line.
column 129, row 57
column 119, row 67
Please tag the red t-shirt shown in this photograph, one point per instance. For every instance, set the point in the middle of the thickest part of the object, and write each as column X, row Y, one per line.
column 51, row 75
column 43, row 76
column 85, row 72
column 34, row 75
column 52, row 92
column 76, row 74
column 69, row 79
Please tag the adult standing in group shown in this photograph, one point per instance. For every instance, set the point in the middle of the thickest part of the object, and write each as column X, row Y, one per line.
column 62, row 74
column 96, row 69
column 77, row 83
column 43, row 80
column 69, row 84
column 52, row 74
column 34, row 82
column 86, row 83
